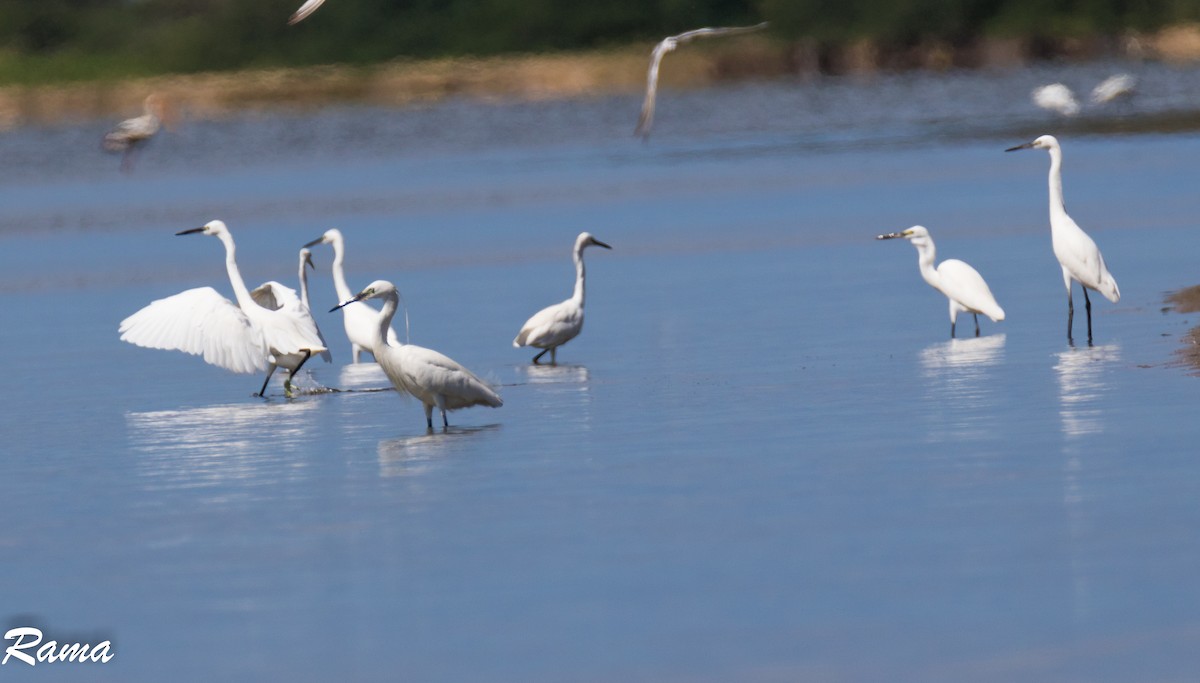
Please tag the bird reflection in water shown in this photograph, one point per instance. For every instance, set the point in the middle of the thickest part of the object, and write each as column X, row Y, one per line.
column 1081, row 385
column 408, row 456
column 960, row 386
column 217, row 445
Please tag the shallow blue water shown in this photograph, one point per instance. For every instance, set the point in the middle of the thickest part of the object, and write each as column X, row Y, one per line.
column 763, row 460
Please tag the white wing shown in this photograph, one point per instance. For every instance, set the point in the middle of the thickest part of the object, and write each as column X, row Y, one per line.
column 424, row 373
column 1056, row 97
column 291, row 330
column 965, row 285
column 305, row 10
column 200, row 322
column 551, row 326
column 1113, row 87
column 647, row 116
column 273, row 296
column 131, row 131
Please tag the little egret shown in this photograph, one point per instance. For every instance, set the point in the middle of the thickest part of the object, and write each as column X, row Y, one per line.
column 1076, row 252
column 431, row 377
column 131, row 134
column 1056, row 97
column 556, row 325
column 1113, row 88
column 305, row 262
column 656, row 56
column 358, row 318
column 306, row 9
column 244, row 337
column 962, row 284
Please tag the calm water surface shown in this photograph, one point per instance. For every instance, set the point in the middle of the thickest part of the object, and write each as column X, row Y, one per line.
column 764, row 459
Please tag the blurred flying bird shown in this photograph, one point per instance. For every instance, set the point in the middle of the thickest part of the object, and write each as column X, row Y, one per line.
column 656, row 56
column 962, row 284
column 306, row 9
column 434, row 379
column 556, row 325
column 1056, row 97
column 266, row 328
column 1076, row 252
column 131, row 134
column 1113, row 88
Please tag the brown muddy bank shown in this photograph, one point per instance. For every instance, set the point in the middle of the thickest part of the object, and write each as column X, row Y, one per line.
column 545, row 76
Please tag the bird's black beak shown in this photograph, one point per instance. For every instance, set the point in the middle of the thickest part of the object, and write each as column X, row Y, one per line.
column 1027, row 145
column 890, row 236
column 357, row 297
column 189, row 231
column 314, row 242
column 308, row 262
column 598, row 243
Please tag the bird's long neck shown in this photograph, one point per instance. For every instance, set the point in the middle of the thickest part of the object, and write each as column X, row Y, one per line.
column 304, row 286
column 926, row 255
column 235, row 277
column 339, row 275
column 578, row 296
column 1056, row 190
column 390, row 301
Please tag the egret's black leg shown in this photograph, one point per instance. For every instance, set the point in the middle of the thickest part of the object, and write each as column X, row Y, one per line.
column 1088, row 307
column 428, row 416
column 976, row 316
column 263, row 392
column 952, row 329
column 539, row 356
column 445, row 422
column 554, row 355
column 1070, row 315
column 287, row 385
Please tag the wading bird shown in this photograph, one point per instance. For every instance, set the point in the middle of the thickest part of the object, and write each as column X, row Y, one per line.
column 434, row 379
column 358, row 318
column 306, row 9
column 962, row 284
column 244, row 337
column 1113, row 88
column 1076, row 252
column 656, row 56
column 1056, row 97
column 556, row 325
column 131, row 134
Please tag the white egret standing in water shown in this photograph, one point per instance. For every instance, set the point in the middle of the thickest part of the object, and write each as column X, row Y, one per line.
column 306, row 9
column 434, row 379
column 131, row 134
column 556, row 325
column 1056, row 97
column 656, row 56
column 962, row 284
column 244, row 337
column 1076, row 252
column 358, row 318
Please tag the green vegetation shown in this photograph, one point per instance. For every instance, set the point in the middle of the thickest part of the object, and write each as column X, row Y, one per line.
column 55, row 40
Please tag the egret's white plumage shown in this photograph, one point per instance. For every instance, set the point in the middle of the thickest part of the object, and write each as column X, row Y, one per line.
column 962, row 284
column 127, row 136
column 358, row 318
column 1113, row 88
column 1076, row 252
column 242, row 337
column 434, row 379
column 556, row 325
column 656, row 56
column 306, row 9
column 1056, row 97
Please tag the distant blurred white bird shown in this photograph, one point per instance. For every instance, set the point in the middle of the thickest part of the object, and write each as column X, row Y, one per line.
column 358, row 318
column 1076, row 252
column 962, row 284
column 556, row 325
column 1056, row 97
column 131, row 134
column 662, row 48
column 434, row 379
column 267, row 328
column 1114, row 87
column 306, row 9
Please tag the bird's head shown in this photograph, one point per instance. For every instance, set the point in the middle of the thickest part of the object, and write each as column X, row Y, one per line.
column 378, row 288
column 917, row 234
column 1042, row 142
column 329, row 237
column 215, row 228
column 585, row 239
column 306, row 258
